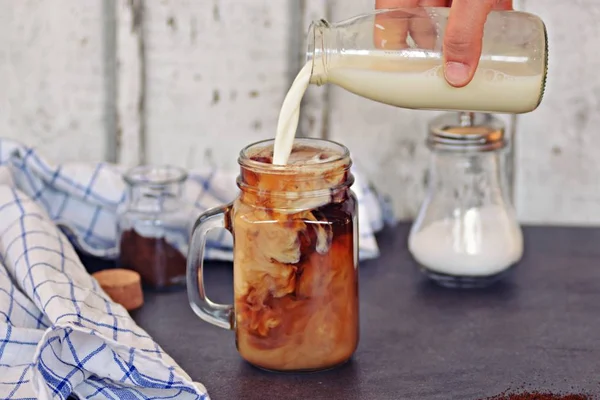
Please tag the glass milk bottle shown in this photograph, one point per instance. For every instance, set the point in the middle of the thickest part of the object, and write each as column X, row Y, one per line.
column 466, row 233
column 395, row 57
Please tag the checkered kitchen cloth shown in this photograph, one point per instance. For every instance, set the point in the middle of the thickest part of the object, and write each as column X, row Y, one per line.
column 60, row 334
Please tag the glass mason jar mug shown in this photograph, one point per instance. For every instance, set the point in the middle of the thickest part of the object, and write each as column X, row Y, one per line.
column 466, row 233
column 395, row 57
column 295, row 258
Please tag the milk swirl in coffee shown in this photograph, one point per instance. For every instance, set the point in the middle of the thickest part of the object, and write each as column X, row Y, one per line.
column 295, row 259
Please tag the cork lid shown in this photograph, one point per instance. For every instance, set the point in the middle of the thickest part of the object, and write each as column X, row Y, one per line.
column 463, row 132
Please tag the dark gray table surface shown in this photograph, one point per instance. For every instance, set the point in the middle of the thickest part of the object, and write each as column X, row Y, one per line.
column 539, row 329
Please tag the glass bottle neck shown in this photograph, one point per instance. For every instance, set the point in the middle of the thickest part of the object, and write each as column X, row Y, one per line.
column 320, row 49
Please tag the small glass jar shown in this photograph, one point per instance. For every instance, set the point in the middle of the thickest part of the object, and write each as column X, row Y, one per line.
column 295, row 258
column 466, row 233
column 153, row 226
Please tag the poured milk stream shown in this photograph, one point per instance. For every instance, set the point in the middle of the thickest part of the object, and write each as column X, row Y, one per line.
column 289, row 116
column 393, row 79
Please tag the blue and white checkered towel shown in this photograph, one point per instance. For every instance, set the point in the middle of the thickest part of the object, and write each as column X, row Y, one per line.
column 60, row 334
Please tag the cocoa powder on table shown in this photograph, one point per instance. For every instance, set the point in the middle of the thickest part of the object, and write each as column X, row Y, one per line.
column 539, row 396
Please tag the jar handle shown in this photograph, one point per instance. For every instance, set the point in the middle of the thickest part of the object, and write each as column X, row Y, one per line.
column 220, row 315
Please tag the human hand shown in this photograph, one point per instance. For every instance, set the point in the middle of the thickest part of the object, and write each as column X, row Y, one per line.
column 463, row 37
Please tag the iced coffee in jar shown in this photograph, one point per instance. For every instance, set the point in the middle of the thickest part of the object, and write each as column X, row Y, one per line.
column 295, row 258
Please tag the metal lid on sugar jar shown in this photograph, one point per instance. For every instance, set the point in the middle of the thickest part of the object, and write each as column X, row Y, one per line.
column 466, row 132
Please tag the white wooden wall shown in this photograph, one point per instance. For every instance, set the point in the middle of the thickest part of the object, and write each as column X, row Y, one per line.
column 190, row 82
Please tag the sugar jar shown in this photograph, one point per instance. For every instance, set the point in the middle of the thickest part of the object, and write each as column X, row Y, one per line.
column 466, row 233
column 153, row 226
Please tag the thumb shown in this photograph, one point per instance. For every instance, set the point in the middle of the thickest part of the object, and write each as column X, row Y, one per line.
column 463, row 39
